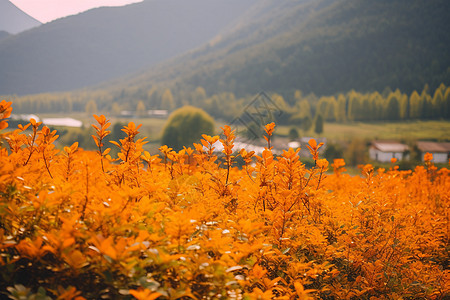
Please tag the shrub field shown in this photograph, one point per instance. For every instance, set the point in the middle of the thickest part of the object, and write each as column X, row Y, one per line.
column 78, row 224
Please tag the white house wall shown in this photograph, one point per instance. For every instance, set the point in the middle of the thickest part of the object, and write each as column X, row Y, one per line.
column 384, row 156
column 438, row 157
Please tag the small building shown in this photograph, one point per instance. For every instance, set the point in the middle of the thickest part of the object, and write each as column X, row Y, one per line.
column 385, row 151
column 440, row 151
column 158, row 113
column 66, row 122
column 153, row 113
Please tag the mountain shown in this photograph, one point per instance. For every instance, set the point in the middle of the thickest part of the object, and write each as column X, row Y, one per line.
column 320, row 46
column 316, row 46
column 109, row 42
column 3, row 34
column 13, row 20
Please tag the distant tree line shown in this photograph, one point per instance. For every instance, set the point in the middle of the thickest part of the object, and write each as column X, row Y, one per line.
column 297, row 109
column 392, row 106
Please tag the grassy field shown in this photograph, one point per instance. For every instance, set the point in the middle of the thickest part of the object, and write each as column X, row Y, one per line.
column 416, row 130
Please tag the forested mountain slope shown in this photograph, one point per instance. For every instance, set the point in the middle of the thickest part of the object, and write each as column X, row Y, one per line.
column 323, row 46
column 109, row 42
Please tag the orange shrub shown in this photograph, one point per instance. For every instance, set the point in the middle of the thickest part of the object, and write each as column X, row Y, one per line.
column 76, row 224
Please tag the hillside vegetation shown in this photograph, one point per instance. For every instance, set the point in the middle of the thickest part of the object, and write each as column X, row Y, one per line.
column 109, row 42
column 322, row 47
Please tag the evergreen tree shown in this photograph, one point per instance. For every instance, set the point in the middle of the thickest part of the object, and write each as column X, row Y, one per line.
column 306, row 123
column 414, row 105
column 393, row 109
column 437, row 105
column 293, row 134
column 426, row 110
column 322, row 105
column 278, row 100
column 331, row 111
column 376, row 106
column 354, row 107
column 366, row 112
column 200, row 93
column 151, row 98
column 318, row 124
column 67, row 105
column 341, row 108
column 141, row 111
column 198, row 97
column 304, row 109
column 446, row 109
column 167, row 101
column 404, row 107
column 91, row 107
column 298, row 96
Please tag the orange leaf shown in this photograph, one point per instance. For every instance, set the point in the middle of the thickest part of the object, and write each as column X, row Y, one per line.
column 144, row 294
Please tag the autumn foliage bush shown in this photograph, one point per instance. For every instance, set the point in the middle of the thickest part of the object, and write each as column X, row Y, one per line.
column 78, row 224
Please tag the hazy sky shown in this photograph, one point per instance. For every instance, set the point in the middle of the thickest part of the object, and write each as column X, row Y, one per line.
column 48, row 10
